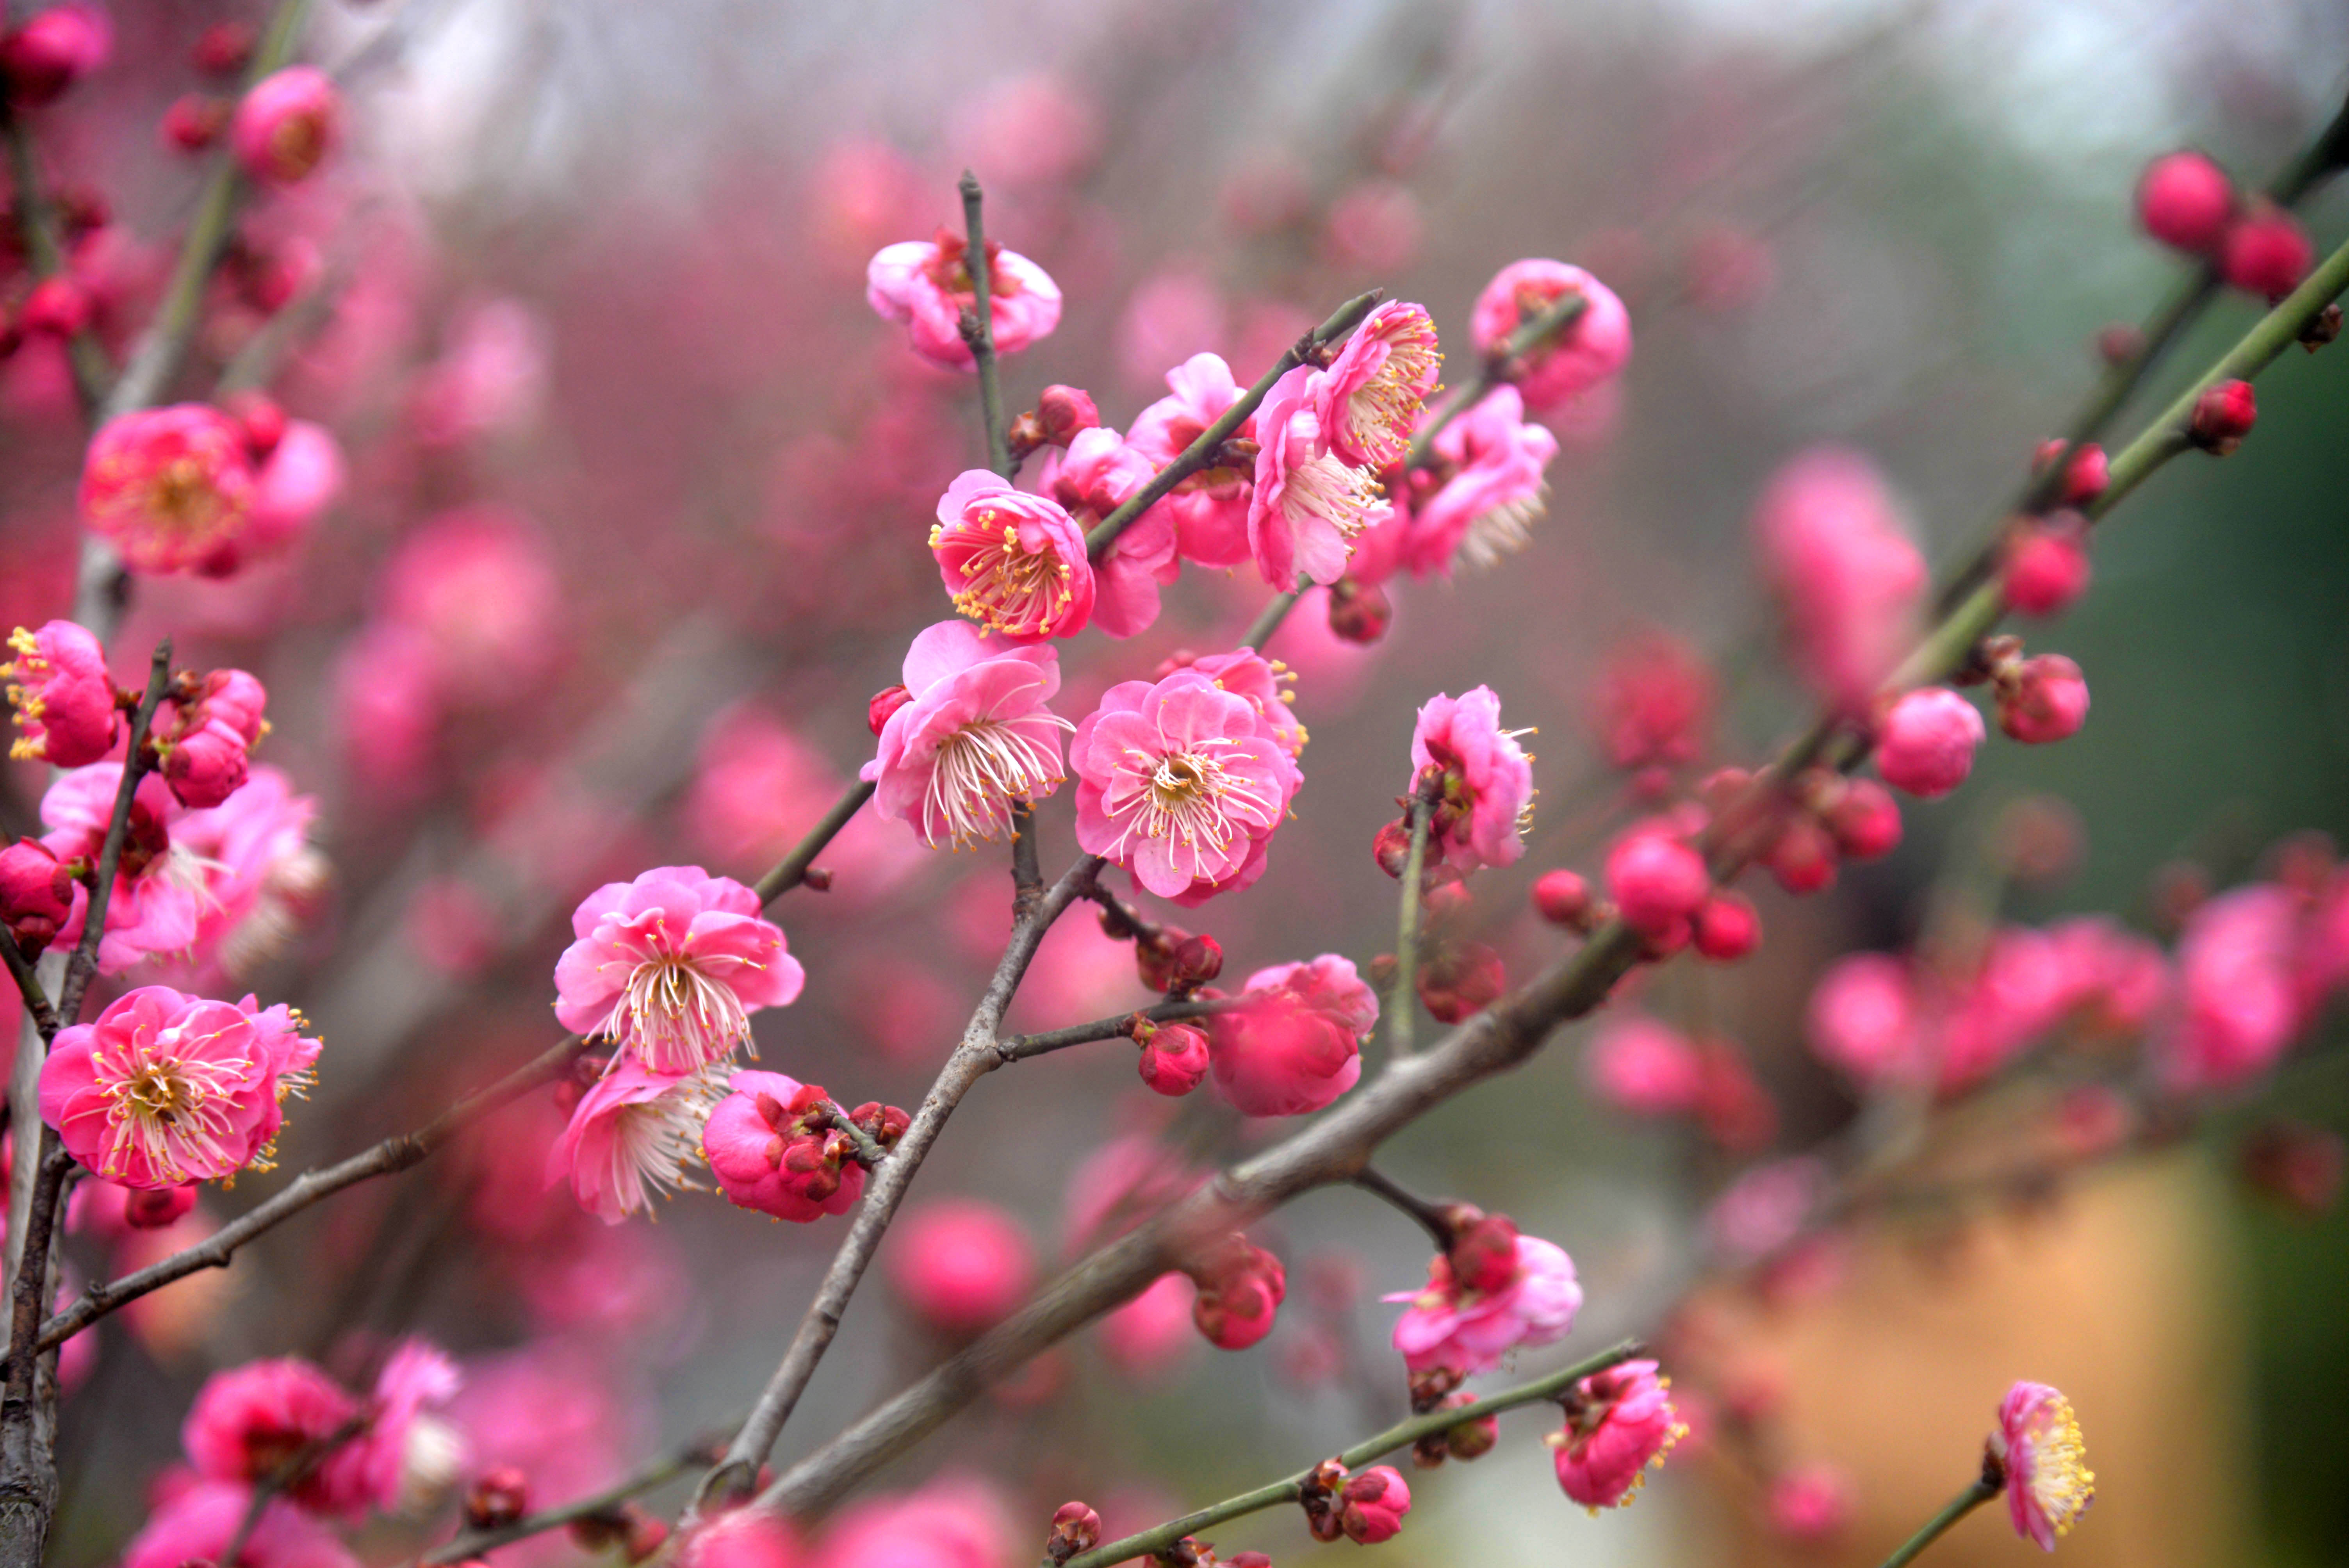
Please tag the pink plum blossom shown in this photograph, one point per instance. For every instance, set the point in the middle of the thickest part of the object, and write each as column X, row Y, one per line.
column 975, row 738
column 287, row 125
column 927, row 284
column 773, row 1149
column 1594, row 347
column 410, row 1455
column 198, row 1524
column 1091, row 479
column 64, row 697
column 301, row 477
column 955, row 1522
column 631, row 1137
column 1619, row 1423
column 1309, row 503
column 1182, row 781
column 2241, row 1005
column 1012, row 562
column 1371, row 397
column 1926, row 743
column 1479, row 499
column 476, row 586
column 1489, row 782
column 1210, row 508
column 1641, row 1066
column 1297, row 1045
column 669, row 967
column 169, row 488
column 157, row 885
column 1267, row 685
column 758, row 786
column 1835, row 550
column 2048, row 1482
column 1454, row 1325
column 247, row 1421
column 962, row 1265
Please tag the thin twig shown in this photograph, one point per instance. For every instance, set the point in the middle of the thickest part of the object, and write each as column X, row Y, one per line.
column 473, row 1543
column 979, row 327
column 137, row 762
column 1403, row 1000
column 1965, row 1503
column 1500, row 367
column 1429, row 1217
column 1021, row 1048
column 287, row 1476
column 28, row 986
column 792, row 869
column 1269, row 621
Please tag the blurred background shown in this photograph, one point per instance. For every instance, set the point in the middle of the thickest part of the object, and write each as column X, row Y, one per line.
column 638, row 489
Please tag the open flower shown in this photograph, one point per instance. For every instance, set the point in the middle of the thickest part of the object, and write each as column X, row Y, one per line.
column 1091, row 479
column 1298, row 1043
column 2048, row 1482
column 927, row 284
column 1267, row 683
column 159, row 886
column 64, row 697
column 1593, row 348
column 1309, row 502
column 248, row 1421
column 198, row 1525
column 1835, row 550
column 1210, row 508
column 168, row 487
column 632, row 1136
column 1376, row 387
column 774, row 1149
column 1484, row 491
column 1182, row 781
column 1617, row 1423
column 973, row 737
column 1451, row 1324
column 1014, row 562
column 1488, row 780
column 409, row 1456
column 671, row 967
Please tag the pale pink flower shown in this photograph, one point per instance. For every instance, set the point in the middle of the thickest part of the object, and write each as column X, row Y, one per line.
column 1182, row 781
column 1487, row 489
column 1120, row 1184
column 1863, row 1018
column 1370, row 402
column 550, row 1410
column 927, row 284
column 410, row 1455
column 773, row 1149
column 1298, row 1044
column 1451, row 1324
column 287, row 125
column 1488, row 780
column 2048, row 1482
column 169, row 488
column 1767, row 1207
column 1309, row 503
column 1091, row 479
column 671, row 967
column 1210, row 508
column 2241, row 1005
column 962, row 1265
column 164, row 1088
column 1619, row 1423
column 975, row 736
column 64, row 697
column 1593, row 348
column 1012, row 562
column 491, row 377
column 1641, row 1066
column 1267, row 685
column 1175, row 311
column 197, row 1525
column 258, row 874
column 1148, row 1335
column 247, row 1421
column 1835, row 550
column 157, row 886
column 477, row 586
column 631, row 1136
column 1811, row 1502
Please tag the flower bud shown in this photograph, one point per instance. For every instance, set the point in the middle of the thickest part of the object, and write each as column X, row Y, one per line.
column 206, row 766
column 195, row 120
column 58, row 306
column 54, row 49
column 1866, row 823
column 1065, row 413
column 158, row 1208
column 1656, row 880
column 1727, row 928
column 1443, row 892
column 1392, row 848
column 1563, row 898
column 1358, row 612
column 1484, row 1250
column 1173, row 1057
column 1075, row 1528
column 1926, row 743
column 2185, row 200
column 2322, row 328
column 886, row 701
column 2046, row 568
column 2046, row 698
column 1461, row 980
column 2266, row 252
column 884, row 1124
column 498, row 1498
column 1371, row 1505
column 2084, row 477
column 223, row 49
column 2119, row 342
column 263, row 419
column 63, row 696
column 1240, row 1288
column 2223, row 416
column 287, row 125
column 1802, row 856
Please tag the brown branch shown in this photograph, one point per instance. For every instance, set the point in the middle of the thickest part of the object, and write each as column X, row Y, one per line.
column 136, row 763
column 978, row 326
column 296, row 1469
column 1021, row 1048
column 1429, row 1217
column 28, row 986
column 474, row 1543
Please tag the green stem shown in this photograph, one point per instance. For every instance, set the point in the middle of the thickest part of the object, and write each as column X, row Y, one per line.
column 1500, row 366
column 1399, row 1435
column 1402, row 1002
column 1268, row 622
column 1965, row 1503
column 979, row 327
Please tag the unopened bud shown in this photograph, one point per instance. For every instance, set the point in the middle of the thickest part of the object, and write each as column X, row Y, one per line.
column 2297, row 1165
column 2120, row 343
column 884, row 1124
column 263, row 419
column 816, row 879
column 499, row 1498
column 2084, row 477
column 1066, row 412
column 885, row 702
column 1484, row 1252
column 2322, row 328
column 1182, row 964
column 1392, row 848
column 1075, row 1528
column 195, row 120
column 1358, row 612
column 1562, row 897
column 158, row 1208
column 2223, row 416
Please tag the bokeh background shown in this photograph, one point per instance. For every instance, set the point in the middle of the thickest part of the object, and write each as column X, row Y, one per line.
column 599, row 265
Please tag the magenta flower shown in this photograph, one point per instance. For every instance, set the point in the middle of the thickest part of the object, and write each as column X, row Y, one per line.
column 1371, row 398
column 2242, row 1002
column 1371, row 1505
column 927, row 284
column 1487, row 489
column 1299, row 1044
column 475, row 591
column 1210, row 508
column 631, row 1137
column 1182, row 781
column 1644, row 1067
column 254, row 872
column 1863, row 1018
column 1488, row 779
column 410, row 1455
column 159, row 885
column 1451, row 1324
column 1091, row 479
column 248, row 1420
column 1309, row 503
column 301, row 477
column 63, row 696
column 1925, row 744
column 1619, row 1422
column 198, row 1524
column 2048, row 1482
column 962, row 1265
column 772, row 1150
column 287, row 124
column 1014, row 562
column 950, row 1523
column 1266, row 684
column 671, row 967
column 974, row 738
column 168, row 487
column 1835, row 550
column 1592, row 350
column 164, row 1088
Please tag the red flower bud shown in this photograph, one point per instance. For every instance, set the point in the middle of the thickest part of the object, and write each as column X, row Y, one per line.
column 195, row 120
column 2185, row 200
column 263, row 420
column 1075, row 1528
column 1065, row 412
column 2084, row 480
column 500, row 1497
column 1180, row 963
column 205, row 768
column 58, row 306
column 2119, row 343
column 223, row 49
column 2046, row 698
column 2265, row 251
column 1484, row 1252
column 2047, row 565
column 1173, row 1057
column 1563, row 899
column 2297, row 1165
column 158, row 1208
column 1802, row 856
column 1866, row 821
column 885, row 702
column 2223, row 416
column 1358, row 612
column 1727, row 928
column 1461, row 980
column 1392, row 848
column 1657, row 881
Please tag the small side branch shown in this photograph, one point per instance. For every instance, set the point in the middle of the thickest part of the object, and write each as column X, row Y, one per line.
column 1430, row 1217
column 978, row 326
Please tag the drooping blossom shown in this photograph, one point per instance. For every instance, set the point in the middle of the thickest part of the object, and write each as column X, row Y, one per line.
column 1479, row 819
column 287, row 125
column 1485, row 489
column 1619, row 1423
column 168, row 488
column 1835, row 551
column 962, row 1265
column 1453, row 1324
column 1593, row 348
column 1268, row 686
column 1093, row 478
column 1309, row 503
column 198, row 1524
column 63, row 696
column 1183, row 782
column 409, row 1454
column 632, row 1136
column 1210, row 507
column 669, row 967
column 953, row 1522
column 164, row 1088
column 2048, row 1482
column 1014, row 562
column 973, row 737
column 248, row 1421
column 772, row 1148
column 1298, row 1043
column 1638, row 1065
column 1371, row 399
column 927, row 285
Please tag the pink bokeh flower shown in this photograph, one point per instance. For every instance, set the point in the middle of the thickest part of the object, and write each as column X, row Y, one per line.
column 1014, row 562
column 927, row 285
column 1144, row 1338
column 1863, row 1018
column 2048, row 1482
column 1093, row 478
column 258, row 874
column 1210, row 508
column 2242, row 1002
column 954, row 1523
column 410, row 1455
column 1926, row 743
column 64, row 697
column 1183, row 782
column 1454, row 1325
column 1298, row 1044
column 157, row 885
column 1309, row 503
column 164, row 1088
column 248, row 1421
column 1488, row 780
column 632, row 1136
column 1810, row 1503
column 1593, row 348
column 1479, row 501
column 52, row 49
column 962, row 1265
column 169, row 487
column 773, row 1149
column 1639, row 1065
column 476, row 589
column 303, row 475
column 285, row 126
column 975, row 736
column 1371, row 399
column 1619, row 1423
column 759, row 786
column 669, row 967
column 1835, row 551
column 197, row 1525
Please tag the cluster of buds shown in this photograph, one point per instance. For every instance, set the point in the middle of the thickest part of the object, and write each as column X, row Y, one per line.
column 2040, row 700
column 775, row 1146
column 1472, row 1439
column 1060, row 415
column 1365, row 1508
column 206, row 733
column 499, row 1496
column 1174, row 1057
column 1170, row 960
column 632, row 1527
column 2086, row 477
column 2188, row 202
column 2223, row 415
column 1241, row 1287
column 195, row 120
column 1075, row 1528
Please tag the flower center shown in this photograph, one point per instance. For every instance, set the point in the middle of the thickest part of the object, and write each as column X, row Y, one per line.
column 181, row 494
column 678, row 1014
column 982, row 769
column 655, row 1141
column 2061, row 1482
column 165, row 1108
column 1192, row 798
column 1384, row 410
column 1005, row 586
